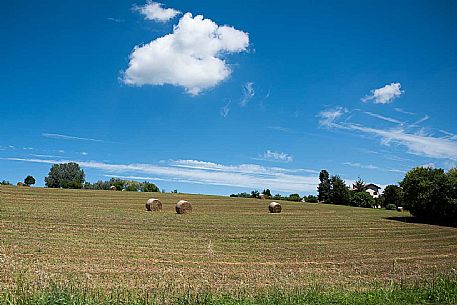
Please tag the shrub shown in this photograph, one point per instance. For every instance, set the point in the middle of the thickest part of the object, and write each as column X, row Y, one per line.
column 311, row 199
column 294, row 197
column 361, row 199
column 429, row 194
column 391, row 206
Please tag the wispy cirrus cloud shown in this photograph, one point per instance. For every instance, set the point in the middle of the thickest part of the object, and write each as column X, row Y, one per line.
column 404, row 111
column 384, row 118
column 248, row 93
column 328, row 117
column 273, row 156
column 193, row 171
column 280, row 128
column 384, row 95
column 423, row 119
column 226, row 109
column 418, row 143
column 67, row 137
column 373, row 167
column 356, row 164
column 114, row 19
column 156, row 12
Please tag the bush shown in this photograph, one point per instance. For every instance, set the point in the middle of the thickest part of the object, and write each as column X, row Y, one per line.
column 430, row 194
column 361, row 199
column 311, row 199
column 4, row 182
column 294, row 197
column 391, row 206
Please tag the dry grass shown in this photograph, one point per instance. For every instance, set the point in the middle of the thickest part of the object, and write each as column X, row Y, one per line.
column 106, row 238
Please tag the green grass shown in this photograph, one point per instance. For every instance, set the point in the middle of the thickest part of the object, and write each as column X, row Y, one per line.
column 105, row 240
column 440, row 291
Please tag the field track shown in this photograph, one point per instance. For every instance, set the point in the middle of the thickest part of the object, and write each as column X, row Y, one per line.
column 106, row 238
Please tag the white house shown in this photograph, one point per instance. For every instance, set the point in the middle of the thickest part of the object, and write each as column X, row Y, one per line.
column 373, row 190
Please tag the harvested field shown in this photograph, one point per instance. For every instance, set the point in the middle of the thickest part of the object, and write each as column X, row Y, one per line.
column 106, row 238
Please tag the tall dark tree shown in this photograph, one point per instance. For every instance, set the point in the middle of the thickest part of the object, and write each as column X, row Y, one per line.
column 65, row 175
column 267, row 193
column 323, row 189
column 29, row 180
column 339, row 192
column 359, row 185
column 393, row 194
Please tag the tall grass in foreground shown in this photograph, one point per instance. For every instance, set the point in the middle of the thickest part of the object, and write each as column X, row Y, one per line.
column 440, row 291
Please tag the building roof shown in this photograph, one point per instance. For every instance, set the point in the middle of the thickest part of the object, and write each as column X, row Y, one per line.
column 372, row 185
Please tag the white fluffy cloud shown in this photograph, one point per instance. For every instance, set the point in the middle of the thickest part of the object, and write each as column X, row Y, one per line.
column 385, row 95
column 155, row 11
column 189, row 57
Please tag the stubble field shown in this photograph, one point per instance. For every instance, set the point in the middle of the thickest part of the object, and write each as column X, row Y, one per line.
column 107, row 239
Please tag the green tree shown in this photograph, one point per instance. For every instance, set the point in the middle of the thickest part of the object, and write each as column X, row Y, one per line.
column 150, row 187
column 428, row 194
column 294, row 197
column 4, row 182
column 132, row 186
column 339, row 192
column 29, row 180
column 452, row 177
column 361, row 199
column 324, row 186
column 277, row 197
column 311, row 199
column 255, row 194
column 393, row 194
column 359, row 186
column 118, row 183
column 267, row 193
column 65, row 175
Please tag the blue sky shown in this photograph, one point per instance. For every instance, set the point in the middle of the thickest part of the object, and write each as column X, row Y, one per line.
column 253, row 94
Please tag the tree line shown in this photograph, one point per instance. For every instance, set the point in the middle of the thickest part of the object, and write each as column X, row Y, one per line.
column 267, row 195
column 71, row 176
column 429, row 194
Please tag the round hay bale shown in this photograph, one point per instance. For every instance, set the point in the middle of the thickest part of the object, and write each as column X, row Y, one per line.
column 153, row 205
column 274, row 207
column 183, row 207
